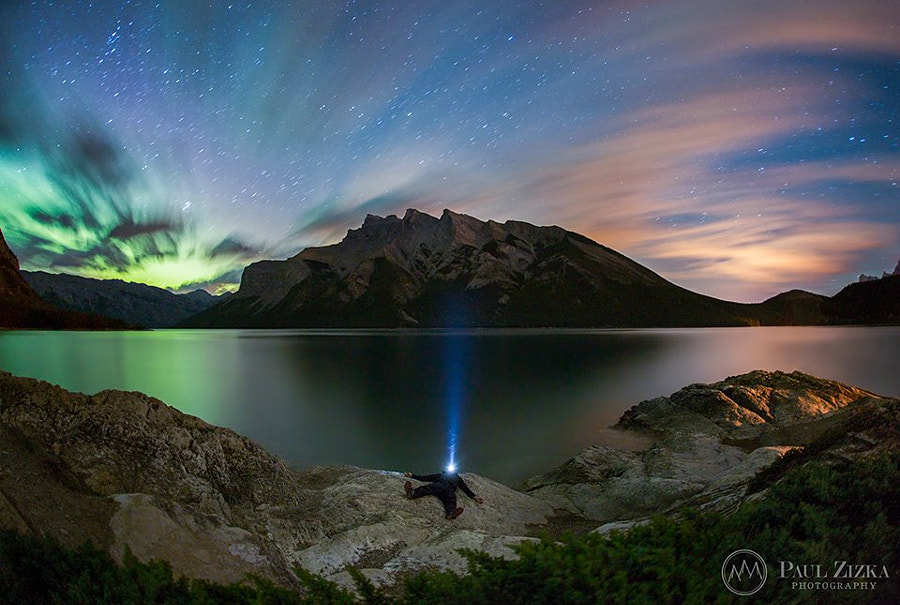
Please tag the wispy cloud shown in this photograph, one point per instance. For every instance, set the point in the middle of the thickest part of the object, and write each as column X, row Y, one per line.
column 736, row 147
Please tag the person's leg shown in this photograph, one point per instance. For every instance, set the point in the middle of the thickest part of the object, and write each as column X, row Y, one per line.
column 429, row 489
column 448, row 499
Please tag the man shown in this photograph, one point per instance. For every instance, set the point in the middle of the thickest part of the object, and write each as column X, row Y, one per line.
column 443, row 486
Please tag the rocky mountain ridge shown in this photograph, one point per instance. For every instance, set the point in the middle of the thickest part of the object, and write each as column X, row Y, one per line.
column 459, row 271
column 125, row 469
column 864, row 278
column 133, row 303
column 12, row 284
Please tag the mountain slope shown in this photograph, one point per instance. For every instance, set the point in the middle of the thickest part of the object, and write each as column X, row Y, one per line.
column 873, row 302
column 131, row 302
column 460, row 271
column 12, row 285
column 792, row 308
column 21, row 307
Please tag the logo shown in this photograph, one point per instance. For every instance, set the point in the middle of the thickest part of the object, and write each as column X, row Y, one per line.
column 744, row 572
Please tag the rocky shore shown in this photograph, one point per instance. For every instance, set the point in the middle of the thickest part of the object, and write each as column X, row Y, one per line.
column 124, row 469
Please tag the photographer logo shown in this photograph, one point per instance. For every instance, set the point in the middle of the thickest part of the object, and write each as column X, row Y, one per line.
column 744, row 572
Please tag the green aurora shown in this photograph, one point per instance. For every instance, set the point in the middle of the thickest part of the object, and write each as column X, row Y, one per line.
column 84, row 209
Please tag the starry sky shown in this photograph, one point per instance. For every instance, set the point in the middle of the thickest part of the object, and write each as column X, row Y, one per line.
column 737, row 148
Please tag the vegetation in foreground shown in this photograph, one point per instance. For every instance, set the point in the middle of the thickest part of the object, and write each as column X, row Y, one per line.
column 816, row 514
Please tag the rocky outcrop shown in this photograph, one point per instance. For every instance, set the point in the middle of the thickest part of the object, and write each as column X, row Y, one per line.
column 709, row 442
column 867, row 278
column 135, row 304
column 215, row 504
column 12, row 286
column 125, row 470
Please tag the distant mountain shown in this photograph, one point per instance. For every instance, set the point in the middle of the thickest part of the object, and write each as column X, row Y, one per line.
column 21, row 307
column 134, row 303
column 459, row 271
column 792, row 308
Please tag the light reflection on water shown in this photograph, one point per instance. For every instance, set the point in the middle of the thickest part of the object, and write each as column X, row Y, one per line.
column 530, row 399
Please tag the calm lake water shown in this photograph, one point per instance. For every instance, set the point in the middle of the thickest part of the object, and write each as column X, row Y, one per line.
column 518, row 402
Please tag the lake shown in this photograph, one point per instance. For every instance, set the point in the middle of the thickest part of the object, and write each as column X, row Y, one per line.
column 515, row 402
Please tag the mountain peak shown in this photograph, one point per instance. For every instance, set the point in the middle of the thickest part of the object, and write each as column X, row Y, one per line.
column 413, row 214
column 459, row 271
column 12, row 284
column 455, row 270
column 374, row 219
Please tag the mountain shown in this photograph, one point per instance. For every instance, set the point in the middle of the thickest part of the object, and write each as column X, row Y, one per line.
column 868, row 303
column 21, row 307
column 12, row 285
column 864, row 278
column 136, row 304
column 792, row 308
column 459, row 271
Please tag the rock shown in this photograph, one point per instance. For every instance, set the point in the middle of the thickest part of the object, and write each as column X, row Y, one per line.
column 216, row 552
column 710, row 440
column 362, row 518
column 218, row 506
column 742, row 406
column 124, row 469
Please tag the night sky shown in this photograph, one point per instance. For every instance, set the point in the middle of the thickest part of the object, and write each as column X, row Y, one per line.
column 737, row 148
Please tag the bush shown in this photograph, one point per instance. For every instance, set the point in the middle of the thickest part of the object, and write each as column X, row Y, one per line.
column 816, row 514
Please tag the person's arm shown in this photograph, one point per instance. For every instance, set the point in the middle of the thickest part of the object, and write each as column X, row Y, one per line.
column 469, row 492
column 426, row 478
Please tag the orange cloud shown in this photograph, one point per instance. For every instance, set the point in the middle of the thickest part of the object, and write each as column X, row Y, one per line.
column 657, row 190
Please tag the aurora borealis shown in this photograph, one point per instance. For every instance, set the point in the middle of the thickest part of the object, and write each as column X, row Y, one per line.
column 738, row 149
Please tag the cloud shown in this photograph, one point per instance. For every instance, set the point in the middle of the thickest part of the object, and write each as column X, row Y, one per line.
column 715, row 141
column 331, row 221
column 231, row 247
column 128, row 229
column 221, row 284
column 659, row 190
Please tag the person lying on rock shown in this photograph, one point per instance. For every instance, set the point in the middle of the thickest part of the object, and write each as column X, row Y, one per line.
column 442, row 486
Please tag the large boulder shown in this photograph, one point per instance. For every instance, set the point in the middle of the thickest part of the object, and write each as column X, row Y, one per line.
column 708, row 441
